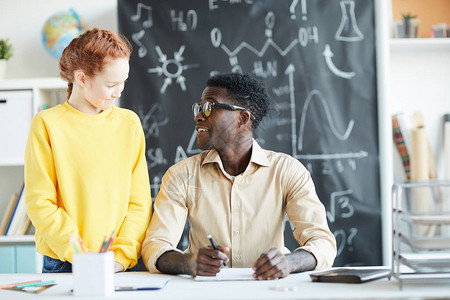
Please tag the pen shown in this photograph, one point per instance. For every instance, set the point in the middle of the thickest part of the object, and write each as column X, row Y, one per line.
column 215, row 247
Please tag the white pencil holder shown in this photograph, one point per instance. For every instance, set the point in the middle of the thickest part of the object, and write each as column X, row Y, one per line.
column 93, row 274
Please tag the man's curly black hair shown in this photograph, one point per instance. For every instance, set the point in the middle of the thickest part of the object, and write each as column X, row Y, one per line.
column 244, row 90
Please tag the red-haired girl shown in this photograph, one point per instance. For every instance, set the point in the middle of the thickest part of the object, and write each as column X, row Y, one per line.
column 85, row 168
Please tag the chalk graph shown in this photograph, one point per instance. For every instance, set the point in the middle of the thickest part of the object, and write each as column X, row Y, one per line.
column 323, row 102
column 315, row 94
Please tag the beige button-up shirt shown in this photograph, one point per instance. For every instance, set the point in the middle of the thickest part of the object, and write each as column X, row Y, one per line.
column 245, row 213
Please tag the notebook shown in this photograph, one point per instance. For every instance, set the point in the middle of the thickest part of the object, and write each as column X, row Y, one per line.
column 348, row 275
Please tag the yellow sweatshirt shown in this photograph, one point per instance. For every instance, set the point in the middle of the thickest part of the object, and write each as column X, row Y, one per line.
column 87, row 175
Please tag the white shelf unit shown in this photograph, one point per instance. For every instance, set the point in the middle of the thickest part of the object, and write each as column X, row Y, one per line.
column 417, row 76
column 17, row 240
column 45, row 92
column 421, row 43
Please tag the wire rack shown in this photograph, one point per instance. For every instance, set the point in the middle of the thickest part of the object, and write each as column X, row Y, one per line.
column 421, row 230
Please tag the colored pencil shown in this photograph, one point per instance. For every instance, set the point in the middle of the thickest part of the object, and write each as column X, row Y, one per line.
column 34, row 284
column 103, row 245
column 74, row 244
column 110, row 241
column 81, row 244
column 18, row 283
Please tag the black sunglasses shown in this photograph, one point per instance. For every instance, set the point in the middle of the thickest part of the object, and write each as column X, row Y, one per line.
column 207, row 107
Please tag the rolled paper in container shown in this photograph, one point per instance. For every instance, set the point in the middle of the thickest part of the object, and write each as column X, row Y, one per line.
column 421, row 197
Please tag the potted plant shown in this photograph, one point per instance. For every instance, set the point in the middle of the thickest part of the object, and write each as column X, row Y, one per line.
column 6, row 52
column 408, row 27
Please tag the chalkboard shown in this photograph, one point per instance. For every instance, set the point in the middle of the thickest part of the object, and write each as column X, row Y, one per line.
column 318, row 60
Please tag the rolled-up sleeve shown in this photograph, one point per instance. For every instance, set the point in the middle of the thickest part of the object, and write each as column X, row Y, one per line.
column 168, row 220
column 308, row 215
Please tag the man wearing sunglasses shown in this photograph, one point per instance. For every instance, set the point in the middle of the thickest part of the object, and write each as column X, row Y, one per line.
column 239, row 194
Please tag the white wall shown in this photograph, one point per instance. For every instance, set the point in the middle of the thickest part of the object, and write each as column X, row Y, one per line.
column 22, row 20
column 419, row 81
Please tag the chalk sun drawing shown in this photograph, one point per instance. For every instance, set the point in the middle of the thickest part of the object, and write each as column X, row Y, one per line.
column 171, row 68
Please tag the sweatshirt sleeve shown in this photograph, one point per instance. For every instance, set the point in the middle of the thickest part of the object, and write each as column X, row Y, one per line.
column 127, row 244
column 51, row 221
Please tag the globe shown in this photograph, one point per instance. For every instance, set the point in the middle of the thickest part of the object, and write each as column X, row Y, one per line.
column 60, row 29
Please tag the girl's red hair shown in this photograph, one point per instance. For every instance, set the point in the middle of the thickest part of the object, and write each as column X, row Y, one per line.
column 89, row 51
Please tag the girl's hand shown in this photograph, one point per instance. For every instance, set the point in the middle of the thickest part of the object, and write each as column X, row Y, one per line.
column 117, row 267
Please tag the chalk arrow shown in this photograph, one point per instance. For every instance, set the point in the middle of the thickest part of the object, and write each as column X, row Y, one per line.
column 179, row 54
column 328, row 58
column 290, row 72
column 180, row 81
column 158, row 70
column 167, row 82
column 185, row 67
column 162, row 57
column 360, row 154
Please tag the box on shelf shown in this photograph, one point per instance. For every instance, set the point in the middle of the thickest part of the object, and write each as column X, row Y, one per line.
column 441, row 30
column 15, row 116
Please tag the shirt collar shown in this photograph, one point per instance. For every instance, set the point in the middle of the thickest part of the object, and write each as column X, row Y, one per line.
column 258, row 156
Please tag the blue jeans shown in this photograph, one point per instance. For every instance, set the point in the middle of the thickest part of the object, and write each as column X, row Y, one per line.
column 53, row 265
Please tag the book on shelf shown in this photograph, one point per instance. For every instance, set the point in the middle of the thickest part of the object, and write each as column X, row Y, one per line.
column 8, row 213
column 400, row 132
column 16, row 205
column 25, row 227
column 19, row 215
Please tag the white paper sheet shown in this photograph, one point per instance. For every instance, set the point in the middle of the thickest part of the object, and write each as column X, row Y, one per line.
column 134, row 284
column 229, row 274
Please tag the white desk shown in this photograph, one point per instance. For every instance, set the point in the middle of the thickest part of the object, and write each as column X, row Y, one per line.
column 182, row 287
